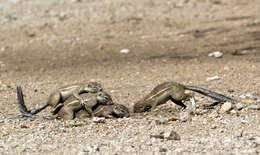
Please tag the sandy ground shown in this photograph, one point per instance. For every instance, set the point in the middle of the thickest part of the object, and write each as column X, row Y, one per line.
column 46, row 44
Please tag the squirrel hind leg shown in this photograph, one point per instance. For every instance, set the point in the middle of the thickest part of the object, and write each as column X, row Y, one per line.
column 180, row 103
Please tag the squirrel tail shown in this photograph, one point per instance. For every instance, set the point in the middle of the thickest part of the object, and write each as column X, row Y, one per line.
column 211, row 94
column 21, row 105
column 20, row 100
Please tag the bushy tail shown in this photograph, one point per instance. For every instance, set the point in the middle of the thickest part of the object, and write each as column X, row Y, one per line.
column 21, row 105
column 214, row 95
column 20, row 100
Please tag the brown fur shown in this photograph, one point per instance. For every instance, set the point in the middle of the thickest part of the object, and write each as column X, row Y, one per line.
column 176, row 93
column 73, row 106
column 110, row 111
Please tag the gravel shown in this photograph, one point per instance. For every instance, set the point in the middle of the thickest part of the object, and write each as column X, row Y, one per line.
column 48, row 44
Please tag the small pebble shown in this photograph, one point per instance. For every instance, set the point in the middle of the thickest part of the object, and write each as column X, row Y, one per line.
column 172, row 135
column 226, row 68
column 239, row 106
column 2, row 64
column 185, row 116
column 254, row 107
column 24, row 126
column 149, row 127
column 99, row 119
column 76, row 1
column 213, row 126
column 112, row 91
column 161, row 149
column 240, row 52
column 233, row 111
column 2, row 49
column 227, row 140
column 161, row 121
column 62, row 16
column 257, row 140
column 227, row 106
column 124, row 51
column 244, row 121
column 216, row 54
column 237, row 134
column 214, row 114
column 213, row 78
column 30, row 33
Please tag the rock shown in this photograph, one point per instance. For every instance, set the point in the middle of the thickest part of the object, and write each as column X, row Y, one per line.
column 216, row 54
column 24, row 126
column 213, row 78
column 237, row 134
column 249, row 151
column 91, row 149
column 161, row 149
column 227, row 106
column 76, row 1
column 239, row 106
column 214, row 114
column 112, row 91
column 226, row 68
column 250, row 96
column 41, row 126
column 149, row 127
column 160, row 136
column 240, row 52
column 16, row 1
column 233, row 111
column 257, row 140
column 161, row 121
column 225, row 153
column 242, row 96
column 227, row 140
column 3, row 86
column 200, row 111
column 2, row 49
column 30, row 33
column 244, row 121
column 173, row 118
column 185, row 116
column 214, row 126
column 99, row 119
column 124, row 51
column 2, row 64
column 172, row 135
column 254, row 107
column 62, row 16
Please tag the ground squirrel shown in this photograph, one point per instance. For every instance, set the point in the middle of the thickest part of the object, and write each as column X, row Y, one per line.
column 60, row 95
column 176, row 93
column 112, row 111
column 72, row 105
